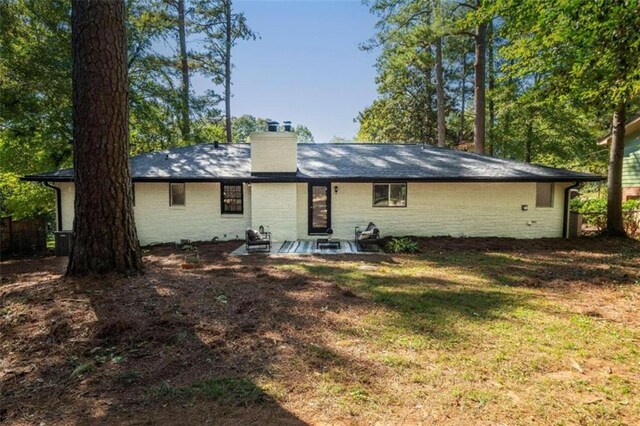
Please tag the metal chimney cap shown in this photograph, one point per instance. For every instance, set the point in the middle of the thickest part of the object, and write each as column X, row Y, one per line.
column 272, row 126
column 287, row 126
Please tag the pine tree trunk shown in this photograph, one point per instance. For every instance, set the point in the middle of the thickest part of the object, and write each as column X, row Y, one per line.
column 227, row 70
column 185, row 128
column 529, row 142
column 479, row 98
column 104, row 232
column 491, row 84
column 615, row 224
column 463, row 96
column 440, row 93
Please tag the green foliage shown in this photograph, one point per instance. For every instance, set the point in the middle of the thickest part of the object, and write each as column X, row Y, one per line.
column 35, row 91
column 402, row 245
column 589, row 50
column 536, row 110
column 23, row 200
column 244, row 125
column 405, row 110
column 594, row 213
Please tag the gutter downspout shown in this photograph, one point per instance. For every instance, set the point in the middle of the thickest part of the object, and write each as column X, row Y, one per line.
column 58, row 204
column 565, row 220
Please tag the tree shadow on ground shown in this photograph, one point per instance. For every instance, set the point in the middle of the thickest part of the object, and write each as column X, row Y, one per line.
column 191, row 346
column 171, row 346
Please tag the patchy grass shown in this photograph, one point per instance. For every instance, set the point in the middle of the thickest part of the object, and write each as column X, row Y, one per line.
column 471, row 331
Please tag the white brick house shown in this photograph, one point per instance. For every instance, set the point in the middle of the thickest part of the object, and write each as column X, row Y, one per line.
column 297, row 191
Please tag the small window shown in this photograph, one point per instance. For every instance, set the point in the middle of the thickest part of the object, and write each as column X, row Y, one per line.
column 176, row 194
column 544, row 194
column 231, row 199
column 389, row 195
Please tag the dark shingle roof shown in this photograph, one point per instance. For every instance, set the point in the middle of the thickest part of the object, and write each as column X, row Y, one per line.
column 351, row 161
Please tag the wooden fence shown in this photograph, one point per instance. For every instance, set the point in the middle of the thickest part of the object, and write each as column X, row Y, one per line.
column 22, row 236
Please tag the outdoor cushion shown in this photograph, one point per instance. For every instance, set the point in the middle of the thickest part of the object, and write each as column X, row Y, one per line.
column 252, row 235
column 372, row 229
column 365, row 234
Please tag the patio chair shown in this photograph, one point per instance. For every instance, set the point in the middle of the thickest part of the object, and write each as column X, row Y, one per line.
column 369, row 238
column 256, row 241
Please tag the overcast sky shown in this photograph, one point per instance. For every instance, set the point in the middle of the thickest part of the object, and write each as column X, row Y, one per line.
column 306, row 66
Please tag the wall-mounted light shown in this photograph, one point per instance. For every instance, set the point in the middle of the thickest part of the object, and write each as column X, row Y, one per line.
column 525, row 207
column 335, row 189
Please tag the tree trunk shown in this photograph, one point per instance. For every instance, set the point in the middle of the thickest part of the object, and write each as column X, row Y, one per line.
column 464, row 97
column 491, row 69
column 104, row 232
column 185, row 128
column 529, row 140
column 615, row 224
column 440, row 93
column 227, row 70
column 479, row 100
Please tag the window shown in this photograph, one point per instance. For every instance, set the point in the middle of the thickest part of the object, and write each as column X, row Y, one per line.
column 176, row 194
column 544, row 194
column 389, row 195
column 231, row 199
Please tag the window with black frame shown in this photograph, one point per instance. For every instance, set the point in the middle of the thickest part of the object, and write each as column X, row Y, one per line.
column 389, row 195
column 231, row 199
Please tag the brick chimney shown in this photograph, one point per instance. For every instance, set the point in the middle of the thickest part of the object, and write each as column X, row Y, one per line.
column 274, row 152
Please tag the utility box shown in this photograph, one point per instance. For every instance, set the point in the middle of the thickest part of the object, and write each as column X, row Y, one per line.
column 64, row 242
column 575, row 224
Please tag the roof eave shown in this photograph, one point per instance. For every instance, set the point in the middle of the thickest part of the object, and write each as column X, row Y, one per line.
column 294, row 178
column 632, row 126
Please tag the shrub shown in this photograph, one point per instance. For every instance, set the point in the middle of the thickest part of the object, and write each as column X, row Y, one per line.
column 402, row 245
column 594, row 212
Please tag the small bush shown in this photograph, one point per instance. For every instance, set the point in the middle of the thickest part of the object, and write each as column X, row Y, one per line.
column 594, row 213
column 402, row 245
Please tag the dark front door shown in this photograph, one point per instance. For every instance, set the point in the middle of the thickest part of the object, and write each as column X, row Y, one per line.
column 319, row 207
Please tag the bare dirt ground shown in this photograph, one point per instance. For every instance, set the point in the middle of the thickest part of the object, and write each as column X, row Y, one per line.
column 341, row 339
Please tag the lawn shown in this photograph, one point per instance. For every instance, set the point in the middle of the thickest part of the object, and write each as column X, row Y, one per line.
column 471, row 331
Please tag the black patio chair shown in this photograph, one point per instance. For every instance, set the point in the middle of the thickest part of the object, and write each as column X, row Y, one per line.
column 369, row 238
column 256, row 241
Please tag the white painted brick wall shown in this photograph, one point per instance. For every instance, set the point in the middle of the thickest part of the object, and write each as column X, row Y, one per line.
column 274, row 152
column 456, row 209
column 274, row 205
column 303, row 210
column 67, row 197
column 200, row 219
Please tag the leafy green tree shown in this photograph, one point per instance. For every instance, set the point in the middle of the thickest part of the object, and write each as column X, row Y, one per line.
column 222, row 28
column 35, row 100
column 304, row 134
column 246, row 124
column 584, row 49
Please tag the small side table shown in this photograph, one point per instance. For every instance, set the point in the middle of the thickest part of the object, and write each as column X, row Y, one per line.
column 325, row 243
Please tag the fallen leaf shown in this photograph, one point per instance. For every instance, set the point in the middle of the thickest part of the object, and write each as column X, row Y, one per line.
column 575, row 365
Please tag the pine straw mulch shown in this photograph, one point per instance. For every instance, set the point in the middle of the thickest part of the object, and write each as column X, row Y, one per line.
column 189, row 346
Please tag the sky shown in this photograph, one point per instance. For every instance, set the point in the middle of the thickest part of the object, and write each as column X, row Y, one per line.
column 306, row 66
